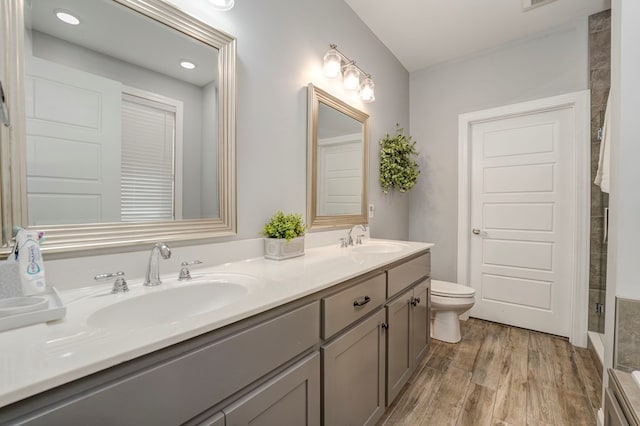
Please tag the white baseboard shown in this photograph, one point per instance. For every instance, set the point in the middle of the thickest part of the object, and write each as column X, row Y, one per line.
column 600, row 417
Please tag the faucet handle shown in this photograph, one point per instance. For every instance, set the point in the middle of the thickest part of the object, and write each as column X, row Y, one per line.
column 119, row 285
column 359, row 238
column 185, row 274
column 343, row 243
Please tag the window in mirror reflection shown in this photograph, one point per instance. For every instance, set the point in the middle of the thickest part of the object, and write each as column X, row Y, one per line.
column 339, row 167
column 117, row 130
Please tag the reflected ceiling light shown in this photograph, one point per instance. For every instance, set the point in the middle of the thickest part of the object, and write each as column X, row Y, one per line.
column 187, row 65
column 222, row 5
column 66, row 17
column 336, row 63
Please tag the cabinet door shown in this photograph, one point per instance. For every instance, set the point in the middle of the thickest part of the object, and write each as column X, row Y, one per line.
column 215, row 420
column 420, row 322
column 353, row 374
column 613, row 415
column 399, row 359
column 291, row 398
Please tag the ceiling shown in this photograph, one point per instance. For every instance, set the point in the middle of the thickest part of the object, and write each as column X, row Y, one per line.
column 422, row 33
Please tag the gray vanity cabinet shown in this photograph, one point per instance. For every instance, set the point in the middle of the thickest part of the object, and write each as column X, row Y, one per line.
column 407, row 336
column 621, row 400
column 420, row 322
column 408, row 288
column 353, row 369
column 291, row 398
column 399, row 358
column 216, row 420
column 178, row 383
column 613, row 415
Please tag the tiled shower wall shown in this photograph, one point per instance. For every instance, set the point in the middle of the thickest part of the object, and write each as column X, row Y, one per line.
column 599, row 82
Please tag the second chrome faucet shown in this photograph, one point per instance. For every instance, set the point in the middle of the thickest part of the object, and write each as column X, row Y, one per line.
column 152, row 276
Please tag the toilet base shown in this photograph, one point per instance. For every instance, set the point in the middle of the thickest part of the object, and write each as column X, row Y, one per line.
column 445, row 326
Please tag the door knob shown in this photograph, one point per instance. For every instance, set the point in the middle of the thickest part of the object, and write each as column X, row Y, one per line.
column 476, row 231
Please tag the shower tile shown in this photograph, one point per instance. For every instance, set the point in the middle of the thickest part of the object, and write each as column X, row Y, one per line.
column 596, row 269
column 597, row 233
column 627, row 347
column 600, row 21
column 600, row 50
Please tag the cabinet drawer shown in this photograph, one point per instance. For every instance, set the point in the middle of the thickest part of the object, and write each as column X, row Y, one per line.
column 343, row 308
column 402, row 276
column 173, row 391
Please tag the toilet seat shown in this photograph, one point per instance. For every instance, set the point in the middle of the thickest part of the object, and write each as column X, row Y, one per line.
column 448, row 289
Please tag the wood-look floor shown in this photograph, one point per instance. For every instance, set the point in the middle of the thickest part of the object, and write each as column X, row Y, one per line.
column 500, row 375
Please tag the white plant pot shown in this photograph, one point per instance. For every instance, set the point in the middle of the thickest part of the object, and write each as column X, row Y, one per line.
column 280, row 249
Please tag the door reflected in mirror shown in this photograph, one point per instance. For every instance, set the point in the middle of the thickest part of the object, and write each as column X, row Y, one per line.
column 337, row 162
column 117, row 130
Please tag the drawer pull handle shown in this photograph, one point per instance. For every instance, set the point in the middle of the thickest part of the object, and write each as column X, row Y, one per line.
column 362, row 301
column 415, row 301
column 384, row 325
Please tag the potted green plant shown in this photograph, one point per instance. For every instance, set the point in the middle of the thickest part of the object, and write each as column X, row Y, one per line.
column 284, row 236
column 398, row 168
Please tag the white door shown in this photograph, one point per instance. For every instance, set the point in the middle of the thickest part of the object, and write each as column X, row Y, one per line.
column 521, row 210
column 73, row 145
column 340, row 175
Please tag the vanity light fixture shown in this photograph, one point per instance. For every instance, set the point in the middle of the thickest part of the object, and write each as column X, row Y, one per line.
column 336, row 64
column 66, row 17
column 187, row 65
column 222, row 5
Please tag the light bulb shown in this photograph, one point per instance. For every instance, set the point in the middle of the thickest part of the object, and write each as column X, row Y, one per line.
column 367, row 93
column 351, row 77
column 332, row 64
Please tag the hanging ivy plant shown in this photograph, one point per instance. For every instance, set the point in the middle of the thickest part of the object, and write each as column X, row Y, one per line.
column 398, row 168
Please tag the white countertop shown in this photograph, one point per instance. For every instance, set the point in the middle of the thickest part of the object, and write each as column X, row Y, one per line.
column 40, row 357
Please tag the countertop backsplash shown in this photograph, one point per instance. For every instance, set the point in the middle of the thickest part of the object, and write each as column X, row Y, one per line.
column 77, row 272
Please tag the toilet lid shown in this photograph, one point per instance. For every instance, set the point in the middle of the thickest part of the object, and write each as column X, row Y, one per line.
column 447, row 289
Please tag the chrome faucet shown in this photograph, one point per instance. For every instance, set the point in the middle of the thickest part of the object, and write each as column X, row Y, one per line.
column 152, row 277
column 350, row 239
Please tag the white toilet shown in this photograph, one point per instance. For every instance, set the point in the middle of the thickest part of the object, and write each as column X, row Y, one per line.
column 448, row 301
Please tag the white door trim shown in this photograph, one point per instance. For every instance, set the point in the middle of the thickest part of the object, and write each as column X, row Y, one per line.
column 580, row 191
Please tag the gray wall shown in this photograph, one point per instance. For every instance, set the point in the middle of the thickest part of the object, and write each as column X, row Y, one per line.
column 551, row 64
column 209, row 157
column 280, row 48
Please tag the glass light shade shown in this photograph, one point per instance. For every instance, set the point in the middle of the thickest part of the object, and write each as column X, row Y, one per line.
column 332, row 64
column 351, row 77
column 222, row 5
column 367, row 93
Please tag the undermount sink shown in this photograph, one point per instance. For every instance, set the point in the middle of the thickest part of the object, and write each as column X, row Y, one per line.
column 159, row 306
column 371, row 247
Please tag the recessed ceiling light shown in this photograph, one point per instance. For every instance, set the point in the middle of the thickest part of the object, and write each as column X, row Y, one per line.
column 67, row 18
column 187, row 65
column 222, row 5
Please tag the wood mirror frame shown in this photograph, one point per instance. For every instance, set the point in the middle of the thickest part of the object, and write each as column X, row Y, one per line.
column 315, row 220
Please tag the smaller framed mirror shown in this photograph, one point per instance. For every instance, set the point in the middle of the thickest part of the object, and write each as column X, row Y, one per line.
column 337, row 162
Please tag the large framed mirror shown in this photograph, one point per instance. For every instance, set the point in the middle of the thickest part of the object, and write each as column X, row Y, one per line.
column 337, row 162
column 123, row 123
